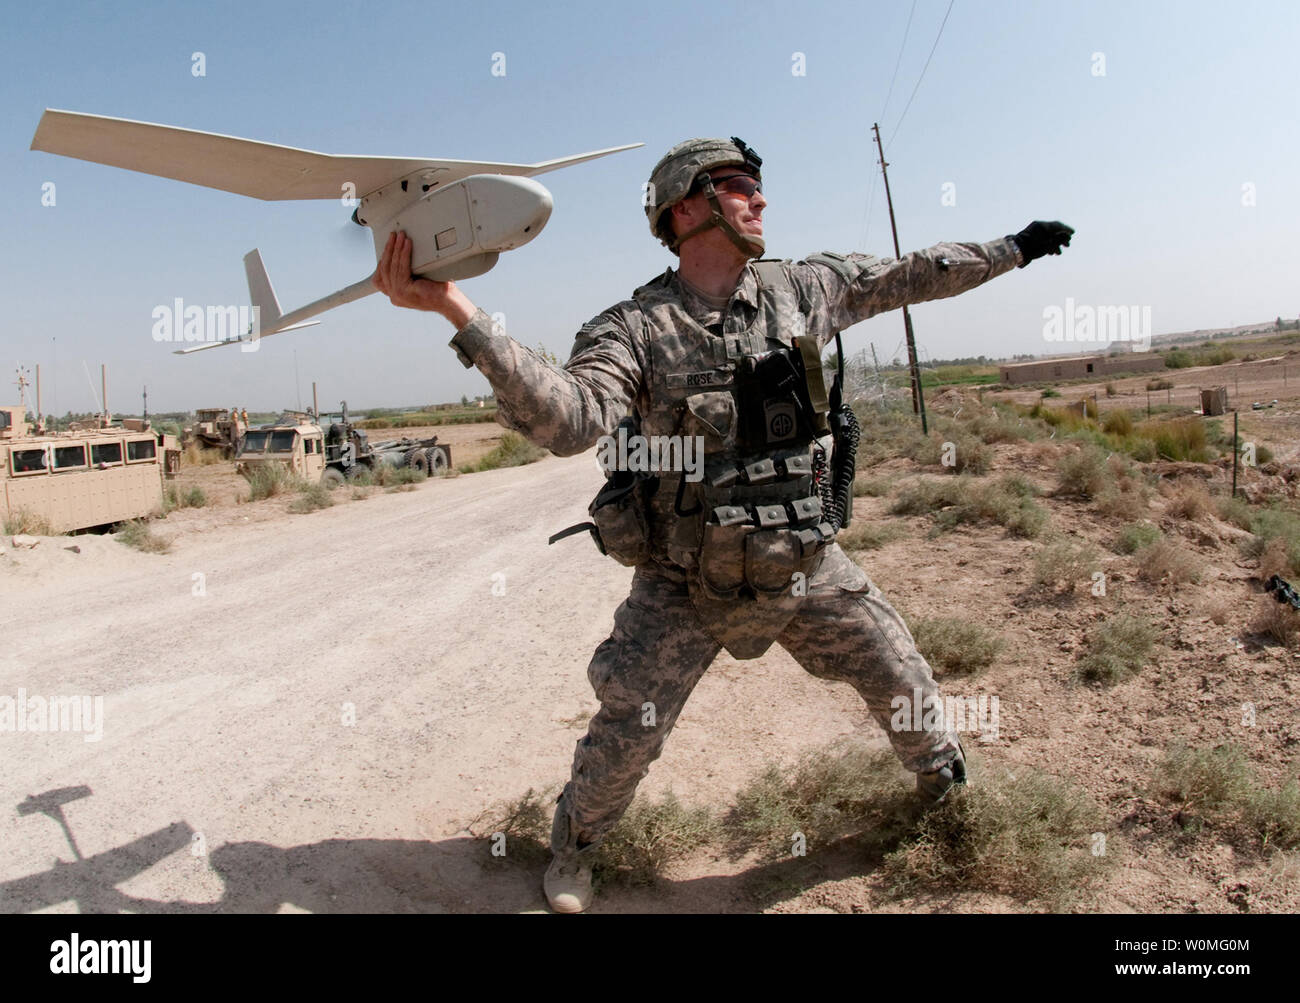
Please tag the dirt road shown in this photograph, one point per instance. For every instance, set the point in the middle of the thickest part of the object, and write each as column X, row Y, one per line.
column 304, row 712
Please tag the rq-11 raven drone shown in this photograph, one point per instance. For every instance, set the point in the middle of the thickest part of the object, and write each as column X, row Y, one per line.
column 459, row 214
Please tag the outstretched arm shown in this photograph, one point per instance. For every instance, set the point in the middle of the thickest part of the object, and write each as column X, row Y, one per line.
column 846, row 289
column 564, row 409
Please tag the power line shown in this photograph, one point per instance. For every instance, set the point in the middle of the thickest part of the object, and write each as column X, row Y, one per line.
column 923, row 69
column 871, row 195
column 899, row 61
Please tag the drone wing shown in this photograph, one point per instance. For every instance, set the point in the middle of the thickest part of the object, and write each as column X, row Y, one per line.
column 249, row 167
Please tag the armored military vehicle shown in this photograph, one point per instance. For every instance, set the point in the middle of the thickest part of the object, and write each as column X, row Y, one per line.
column 335, row 452
column 294, row 441
column 93, row 475
column 216, row 428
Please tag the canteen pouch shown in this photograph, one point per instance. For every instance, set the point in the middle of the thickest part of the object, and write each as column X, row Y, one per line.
column 619, row 523
column 621, row 527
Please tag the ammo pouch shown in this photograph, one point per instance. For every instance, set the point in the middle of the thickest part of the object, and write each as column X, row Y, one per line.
column 743, row 587
column 760, row 551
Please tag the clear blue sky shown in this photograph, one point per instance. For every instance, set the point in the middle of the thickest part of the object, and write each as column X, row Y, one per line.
column 1147, row 163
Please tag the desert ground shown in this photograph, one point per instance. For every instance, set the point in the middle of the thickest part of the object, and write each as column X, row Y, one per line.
column 313, row 712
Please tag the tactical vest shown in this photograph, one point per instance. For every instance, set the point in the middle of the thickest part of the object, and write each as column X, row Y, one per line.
column 751, row 533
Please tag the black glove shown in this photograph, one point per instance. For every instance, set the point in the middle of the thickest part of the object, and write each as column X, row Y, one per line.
column 1040, row 238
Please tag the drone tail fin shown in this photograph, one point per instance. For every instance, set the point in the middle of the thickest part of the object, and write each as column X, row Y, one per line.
column 260, row 289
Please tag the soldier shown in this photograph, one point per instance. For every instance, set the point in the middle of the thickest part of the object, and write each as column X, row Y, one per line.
column 725, row 349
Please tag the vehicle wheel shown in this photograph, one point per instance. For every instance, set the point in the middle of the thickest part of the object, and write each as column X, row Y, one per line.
column 437, row 461
column 332, row 478
column 420, row 461
column 414, row 458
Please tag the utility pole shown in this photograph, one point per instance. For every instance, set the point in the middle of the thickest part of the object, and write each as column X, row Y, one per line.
column 918, row 398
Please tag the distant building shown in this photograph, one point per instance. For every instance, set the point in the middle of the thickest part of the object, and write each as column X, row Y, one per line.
column 1079, row 367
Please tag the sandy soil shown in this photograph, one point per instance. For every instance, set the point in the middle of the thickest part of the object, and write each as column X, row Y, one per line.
column 306, row 712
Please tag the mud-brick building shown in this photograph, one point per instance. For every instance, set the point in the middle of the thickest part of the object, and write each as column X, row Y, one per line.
column 1079, row 367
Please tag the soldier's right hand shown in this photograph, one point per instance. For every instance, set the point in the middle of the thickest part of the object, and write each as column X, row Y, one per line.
column 393, row 278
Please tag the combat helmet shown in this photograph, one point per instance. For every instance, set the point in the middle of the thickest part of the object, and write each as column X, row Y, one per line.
column 675, row 177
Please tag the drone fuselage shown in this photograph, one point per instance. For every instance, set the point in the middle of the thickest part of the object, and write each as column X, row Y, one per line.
column 456, row 231
column 459, row 214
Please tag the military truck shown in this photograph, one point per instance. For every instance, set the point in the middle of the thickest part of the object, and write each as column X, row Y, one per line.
column 85, row 477
column 216, row 428
column 297, row 443
column 348, row 450
column 334, row 454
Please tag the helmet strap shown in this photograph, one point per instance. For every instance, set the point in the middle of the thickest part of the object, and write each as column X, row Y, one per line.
column 750, row 247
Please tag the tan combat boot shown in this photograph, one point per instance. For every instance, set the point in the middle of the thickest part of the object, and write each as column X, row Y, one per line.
column 568, row 880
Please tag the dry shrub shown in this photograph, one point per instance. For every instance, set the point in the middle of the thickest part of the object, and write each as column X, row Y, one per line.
column 874, row 487
column 863, row 535
column 1083, row 473
column 1116, row 504
column 24, row 520
column 311, row 497
column 195, row 455
column 1116, row 422
column 1220, row 786
column 649, row 837
column 963, row 499
column 1045, row 453
column 1190, row 499
column 139, row 535
column 1278, row 620
column 1166, row 562
column 955, row 646
column 829, row 793
column 1235, row 511
column 1026, row 834
column 1179, row 439
column 1134, row 537
column 1274, row 559
column 1116, row 649
column 1064, row 562
column 1208, row 779
column 268, row 480
column 512, row 451
column 1275, row 524
column 1219, row 610
column 652, row 835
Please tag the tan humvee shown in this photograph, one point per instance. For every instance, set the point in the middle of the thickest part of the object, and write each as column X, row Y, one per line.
column 298, row 444
column 89, row 477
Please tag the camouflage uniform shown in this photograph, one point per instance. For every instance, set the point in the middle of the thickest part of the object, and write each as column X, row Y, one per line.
column 653, row 354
